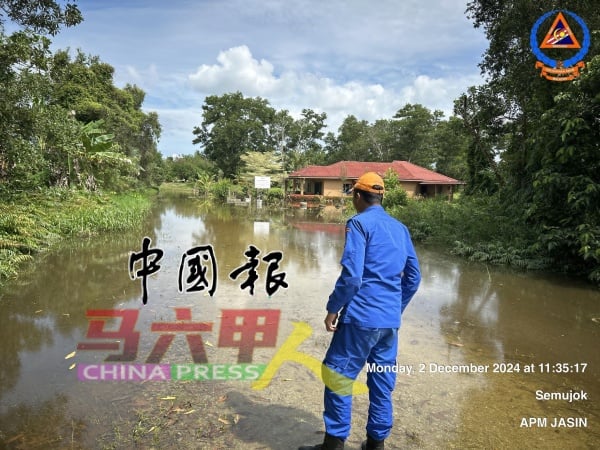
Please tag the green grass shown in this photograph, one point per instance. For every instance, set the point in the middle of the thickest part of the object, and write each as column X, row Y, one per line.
column 177, row 188
column 34, row 222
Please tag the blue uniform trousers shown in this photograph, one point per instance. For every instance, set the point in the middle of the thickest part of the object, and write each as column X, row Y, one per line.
column 352, row 346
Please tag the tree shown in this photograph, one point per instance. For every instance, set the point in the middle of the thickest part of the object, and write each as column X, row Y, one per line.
column 99, row 158
column 282, row 131
column 46, row 103
column 233, row 125
column 482, row 120
column 188, row 167
column 415, row 127
column 23, row 57
column 49, row 105
column 41, row 16
column 452, row 142
column 352, row 142
column 306, row 135
column 384, row 141
column 261, row 164
column 565, row 205
column 548, row 130
column 395, row 194
column 84, row 84
column 509, row 66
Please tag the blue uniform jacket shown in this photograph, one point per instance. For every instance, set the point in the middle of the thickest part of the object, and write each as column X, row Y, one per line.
column 380, row 272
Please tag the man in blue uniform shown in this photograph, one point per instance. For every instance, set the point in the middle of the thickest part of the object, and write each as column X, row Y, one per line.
column 380, row 274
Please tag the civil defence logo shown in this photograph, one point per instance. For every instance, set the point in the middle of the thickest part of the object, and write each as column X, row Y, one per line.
column 560, row 36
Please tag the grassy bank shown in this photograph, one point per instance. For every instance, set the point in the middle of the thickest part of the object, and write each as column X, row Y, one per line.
column 32, row 223
column 477, row 228
column 177, row 188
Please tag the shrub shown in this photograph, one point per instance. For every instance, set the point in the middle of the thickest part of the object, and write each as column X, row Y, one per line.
column 220, row 189
column 395, row 197
column 274, row 195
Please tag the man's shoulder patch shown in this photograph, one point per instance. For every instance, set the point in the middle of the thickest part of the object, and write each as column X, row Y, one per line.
column 351, row 223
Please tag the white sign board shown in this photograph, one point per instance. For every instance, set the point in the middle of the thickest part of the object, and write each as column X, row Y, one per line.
column 262, row 182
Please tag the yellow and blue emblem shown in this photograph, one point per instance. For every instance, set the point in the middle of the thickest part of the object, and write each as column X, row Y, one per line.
column 560, row 36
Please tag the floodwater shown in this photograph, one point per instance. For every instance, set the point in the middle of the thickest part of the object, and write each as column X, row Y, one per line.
column 484, row 352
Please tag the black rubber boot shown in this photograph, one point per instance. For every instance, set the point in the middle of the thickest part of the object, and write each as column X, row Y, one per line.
column 329, row 443
column 372, row 444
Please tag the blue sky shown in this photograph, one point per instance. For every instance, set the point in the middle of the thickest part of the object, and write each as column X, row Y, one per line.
column 341, row 57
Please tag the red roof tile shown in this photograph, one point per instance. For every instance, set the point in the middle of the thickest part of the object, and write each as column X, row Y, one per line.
column 352, row 170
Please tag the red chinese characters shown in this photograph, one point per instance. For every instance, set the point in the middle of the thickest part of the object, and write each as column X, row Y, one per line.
column 185, row 326
column 125, row 332
column 245, row 329
column 248, row 328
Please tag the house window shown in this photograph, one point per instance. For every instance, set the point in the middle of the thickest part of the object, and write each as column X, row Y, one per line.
column 314, row 188
column 318, row 188
column 346, row 187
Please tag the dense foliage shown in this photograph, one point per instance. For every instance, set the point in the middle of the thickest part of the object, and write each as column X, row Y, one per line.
column 534, row 141
column 63, row 122
column 234, row 125
column 68, row 137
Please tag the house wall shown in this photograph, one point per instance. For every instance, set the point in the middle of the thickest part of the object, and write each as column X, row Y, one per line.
column 335, row 188
column 332, row 188
column 329, row 188
column 410, row 187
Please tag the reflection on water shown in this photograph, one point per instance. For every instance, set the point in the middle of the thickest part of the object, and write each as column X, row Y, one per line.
column 534, row 324
column 464, row 314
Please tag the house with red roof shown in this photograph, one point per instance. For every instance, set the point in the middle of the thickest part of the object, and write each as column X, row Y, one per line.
column 337, row 179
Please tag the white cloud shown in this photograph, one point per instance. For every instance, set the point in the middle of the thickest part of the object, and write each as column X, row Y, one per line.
column 337, row 56
column 439, row 93
column 238, row 70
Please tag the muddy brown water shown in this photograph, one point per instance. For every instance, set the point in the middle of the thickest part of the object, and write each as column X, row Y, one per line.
column 489, row 357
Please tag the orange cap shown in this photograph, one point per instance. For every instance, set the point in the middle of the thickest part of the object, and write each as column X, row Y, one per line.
column 370, row 182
